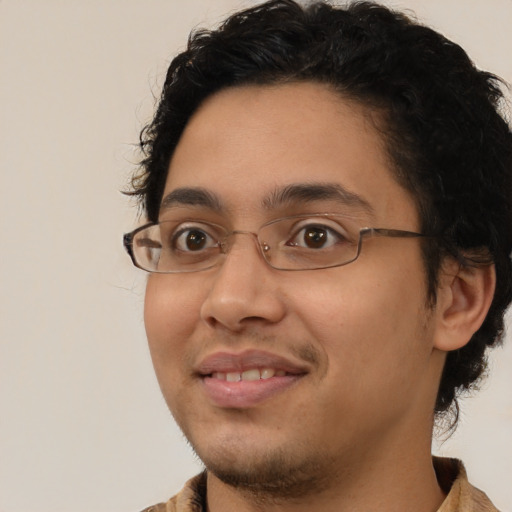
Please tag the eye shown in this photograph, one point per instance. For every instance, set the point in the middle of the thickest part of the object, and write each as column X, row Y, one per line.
column 316, row 236
column 192, row 239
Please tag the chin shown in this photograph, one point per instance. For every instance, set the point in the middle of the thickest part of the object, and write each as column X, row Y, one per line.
column 279, row 473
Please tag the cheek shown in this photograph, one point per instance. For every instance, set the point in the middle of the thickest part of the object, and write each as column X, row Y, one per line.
column 368, row 325
column 376, row 351
column 171, row 314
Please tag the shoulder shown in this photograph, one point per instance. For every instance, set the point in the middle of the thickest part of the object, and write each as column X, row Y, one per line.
column 160, row 507
column 461, row 496
column 191, row 498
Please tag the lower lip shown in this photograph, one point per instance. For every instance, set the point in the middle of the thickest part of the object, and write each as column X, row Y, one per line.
column 246, row 393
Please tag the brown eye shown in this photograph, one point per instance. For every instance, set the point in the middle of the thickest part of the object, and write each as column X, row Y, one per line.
column 193, row 240
column 315, row 238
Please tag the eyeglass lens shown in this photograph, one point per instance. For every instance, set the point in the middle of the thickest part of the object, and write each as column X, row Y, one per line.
column 292, row 243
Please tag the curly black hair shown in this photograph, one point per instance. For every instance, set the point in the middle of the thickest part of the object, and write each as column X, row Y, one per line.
column 441, row 120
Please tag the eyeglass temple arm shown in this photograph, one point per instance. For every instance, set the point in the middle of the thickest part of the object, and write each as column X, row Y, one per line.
column 394, row 233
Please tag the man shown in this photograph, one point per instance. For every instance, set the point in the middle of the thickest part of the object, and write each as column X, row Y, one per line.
column 328, row 196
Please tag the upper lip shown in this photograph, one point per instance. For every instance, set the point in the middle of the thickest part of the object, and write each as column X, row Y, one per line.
column 225, row 362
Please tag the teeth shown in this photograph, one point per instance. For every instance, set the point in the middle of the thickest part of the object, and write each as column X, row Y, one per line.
column 249, row 375
column 266, row 373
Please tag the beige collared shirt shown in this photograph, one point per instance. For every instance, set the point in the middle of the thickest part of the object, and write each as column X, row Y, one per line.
column 461, row 495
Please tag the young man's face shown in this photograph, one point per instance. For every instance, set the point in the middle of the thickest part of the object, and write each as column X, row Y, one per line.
column 354, row 342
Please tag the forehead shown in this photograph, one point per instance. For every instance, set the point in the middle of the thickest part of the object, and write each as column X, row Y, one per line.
column 247, row 146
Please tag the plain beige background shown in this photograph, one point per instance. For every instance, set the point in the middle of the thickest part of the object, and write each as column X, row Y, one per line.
column 82, row 424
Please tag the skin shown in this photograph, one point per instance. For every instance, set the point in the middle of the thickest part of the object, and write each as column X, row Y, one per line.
column 354, row 432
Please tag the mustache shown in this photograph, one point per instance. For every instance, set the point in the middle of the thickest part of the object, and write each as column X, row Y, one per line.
column 301, row 350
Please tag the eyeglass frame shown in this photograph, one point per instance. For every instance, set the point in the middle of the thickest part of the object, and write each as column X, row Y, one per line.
column 363, row 232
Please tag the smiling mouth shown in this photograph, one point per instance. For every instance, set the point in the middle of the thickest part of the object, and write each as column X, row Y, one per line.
column 247, row 379
column 254, row 374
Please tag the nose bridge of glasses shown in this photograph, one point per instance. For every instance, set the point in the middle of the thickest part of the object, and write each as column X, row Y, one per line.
column 227, row 242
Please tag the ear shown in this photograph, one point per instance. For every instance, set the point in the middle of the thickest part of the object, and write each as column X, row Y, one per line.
column 464, row 298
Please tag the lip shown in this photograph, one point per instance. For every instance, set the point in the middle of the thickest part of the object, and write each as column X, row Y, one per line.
column 245, row 394
column 225, row 362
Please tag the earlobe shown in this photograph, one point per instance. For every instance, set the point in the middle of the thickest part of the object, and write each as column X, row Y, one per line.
column 464, row 298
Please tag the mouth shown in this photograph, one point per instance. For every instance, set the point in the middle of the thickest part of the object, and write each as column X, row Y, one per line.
column 245, row 380
column 248, row 375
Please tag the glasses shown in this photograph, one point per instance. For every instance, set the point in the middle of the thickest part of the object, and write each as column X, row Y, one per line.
column 300, row 242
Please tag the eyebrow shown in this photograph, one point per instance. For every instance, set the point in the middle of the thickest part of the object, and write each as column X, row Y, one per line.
column 294, row 193
column 311, row 192
column 191, row 196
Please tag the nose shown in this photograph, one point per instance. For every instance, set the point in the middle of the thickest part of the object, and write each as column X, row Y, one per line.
column 245, row 289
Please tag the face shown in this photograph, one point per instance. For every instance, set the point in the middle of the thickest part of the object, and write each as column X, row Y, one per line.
column 335, row 364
